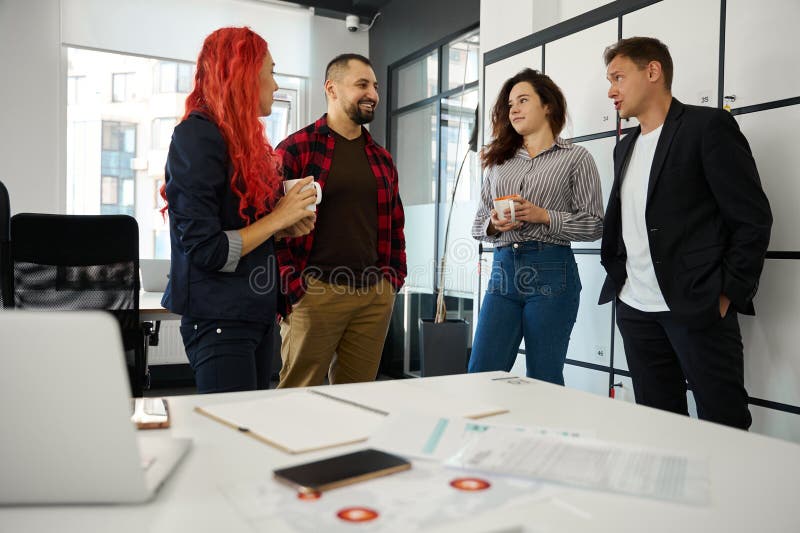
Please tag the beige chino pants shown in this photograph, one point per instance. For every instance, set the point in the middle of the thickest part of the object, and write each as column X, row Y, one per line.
column 335, row 320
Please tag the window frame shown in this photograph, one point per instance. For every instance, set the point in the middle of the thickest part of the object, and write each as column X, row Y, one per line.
column 393, row 112
column 127, row 78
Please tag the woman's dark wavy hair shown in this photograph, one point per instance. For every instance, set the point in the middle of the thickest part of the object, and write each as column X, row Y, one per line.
column 506, row 141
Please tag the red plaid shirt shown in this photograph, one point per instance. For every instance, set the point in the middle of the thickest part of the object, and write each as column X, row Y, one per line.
column 309, row 152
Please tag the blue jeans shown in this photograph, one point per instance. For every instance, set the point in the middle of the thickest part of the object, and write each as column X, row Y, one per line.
column 533, row 292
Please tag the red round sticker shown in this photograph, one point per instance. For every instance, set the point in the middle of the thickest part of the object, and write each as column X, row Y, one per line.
column 311, row 495
column 357, row 514
column 470, row 484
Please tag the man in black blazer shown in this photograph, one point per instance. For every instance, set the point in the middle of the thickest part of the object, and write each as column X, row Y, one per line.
column 686, row 231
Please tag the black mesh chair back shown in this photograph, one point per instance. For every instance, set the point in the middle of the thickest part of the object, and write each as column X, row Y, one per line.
column 6, row 298
column 74, row 262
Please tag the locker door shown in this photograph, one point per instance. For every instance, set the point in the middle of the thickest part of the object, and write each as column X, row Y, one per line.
column 591, row 337
column 691, row 31
column 575, row 64
column 775, row 423
column 586, row 379
column 772, row 136
column 602, row 151
column 772, row 368
column 761, row 42
column 497, row 74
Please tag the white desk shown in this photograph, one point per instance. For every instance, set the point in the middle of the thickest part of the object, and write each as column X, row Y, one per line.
column 755, row 479
column 150, row 307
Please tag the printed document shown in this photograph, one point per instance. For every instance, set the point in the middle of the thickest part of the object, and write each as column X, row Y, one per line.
column 589, row 464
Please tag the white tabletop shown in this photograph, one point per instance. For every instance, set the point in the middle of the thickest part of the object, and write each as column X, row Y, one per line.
column 755, row 480
column 150, row 307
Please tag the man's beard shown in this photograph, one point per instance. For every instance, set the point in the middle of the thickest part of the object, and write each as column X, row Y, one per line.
column 359, row 115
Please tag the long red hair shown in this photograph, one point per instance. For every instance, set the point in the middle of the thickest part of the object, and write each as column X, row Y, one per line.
column 226, row 89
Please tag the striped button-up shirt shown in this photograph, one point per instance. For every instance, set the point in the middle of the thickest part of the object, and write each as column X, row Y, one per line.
column 562, row 179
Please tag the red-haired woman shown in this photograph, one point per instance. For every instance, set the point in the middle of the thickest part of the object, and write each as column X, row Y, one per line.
column 222, row 193
column 534, row 289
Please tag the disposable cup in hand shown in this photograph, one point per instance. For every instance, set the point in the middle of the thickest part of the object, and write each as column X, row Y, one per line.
column 288, row 184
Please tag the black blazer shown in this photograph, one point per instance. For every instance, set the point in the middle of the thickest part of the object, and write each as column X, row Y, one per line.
column 708, row 219
column 201, row 207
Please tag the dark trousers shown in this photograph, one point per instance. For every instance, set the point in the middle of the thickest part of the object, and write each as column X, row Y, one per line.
column 228, row 355
column 664, row 354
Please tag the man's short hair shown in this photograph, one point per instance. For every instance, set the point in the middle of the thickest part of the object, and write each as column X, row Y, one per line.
column 339, row 63
column 643, row 50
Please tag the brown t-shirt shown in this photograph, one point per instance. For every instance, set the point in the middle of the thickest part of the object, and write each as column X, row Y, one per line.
column 346, row 234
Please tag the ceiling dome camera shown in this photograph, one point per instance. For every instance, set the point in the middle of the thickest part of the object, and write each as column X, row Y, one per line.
column 351, row 21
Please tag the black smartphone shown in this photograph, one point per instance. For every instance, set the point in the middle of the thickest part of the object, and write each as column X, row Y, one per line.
column 327, row 474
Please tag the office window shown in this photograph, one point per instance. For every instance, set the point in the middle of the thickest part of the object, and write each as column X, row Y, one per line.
column 174, row 77
column 462, row 62
column 117, row 151
column 122, row 86
column 416, row 80
column 110, row 190
column 116, row 164
column 415, row 152
column 76, row 89
column 457, row 121
column 434, row 97
column 284, row 118
column 162, row 132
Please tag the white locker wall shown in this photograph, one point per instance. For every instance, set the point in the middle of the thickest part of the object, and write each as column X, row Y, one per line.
column 772, row 368
column 586, row 379
column 761, row 44
column 496, row 74
column 602, row 153
column 590, row 341
column 772, row 135
column 693, row 43
column 581, row 76
column 757, row 64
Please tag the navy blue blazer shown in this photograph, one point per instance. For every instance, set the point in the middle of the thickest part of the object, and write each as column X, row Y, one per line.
column 708, row 219
column 201, row 207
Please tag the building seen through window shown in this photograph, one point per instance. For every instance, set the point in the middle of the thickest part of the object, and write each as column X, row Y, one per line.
column 121, row 111
column 433, row 100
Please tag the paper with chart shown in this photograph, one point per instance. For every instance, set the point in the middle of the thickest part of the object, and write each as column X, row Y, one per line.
column 421, row 499
column 589, row 464
column 437, row 438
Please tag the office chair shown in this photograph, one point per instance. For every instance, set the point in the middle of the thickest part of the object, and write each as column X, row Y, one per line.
column 6, row 298
column 69, row 262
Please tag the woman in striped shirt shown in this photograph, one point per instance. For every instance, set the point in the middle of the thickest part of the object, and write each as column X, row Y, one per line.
column 534, row 288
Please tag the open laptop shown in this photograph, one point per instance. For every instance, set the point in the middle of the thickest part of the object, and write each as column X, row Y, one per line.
column 67, row 435
column 155, row 273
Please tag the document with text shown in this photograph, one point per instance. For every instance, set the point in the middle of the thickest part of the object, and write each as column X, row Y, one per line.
column 438, row 438
column 589, row 463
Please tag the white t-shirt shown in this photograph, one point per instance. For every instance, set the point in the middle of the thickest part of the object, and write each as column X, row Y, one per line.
column 641, row 290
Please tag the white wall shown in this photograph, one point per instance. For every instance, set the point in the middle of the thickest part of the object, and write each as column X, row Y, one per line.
column 505, row 21
column 32, row 127
column 329, row 38
column 175, row 29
